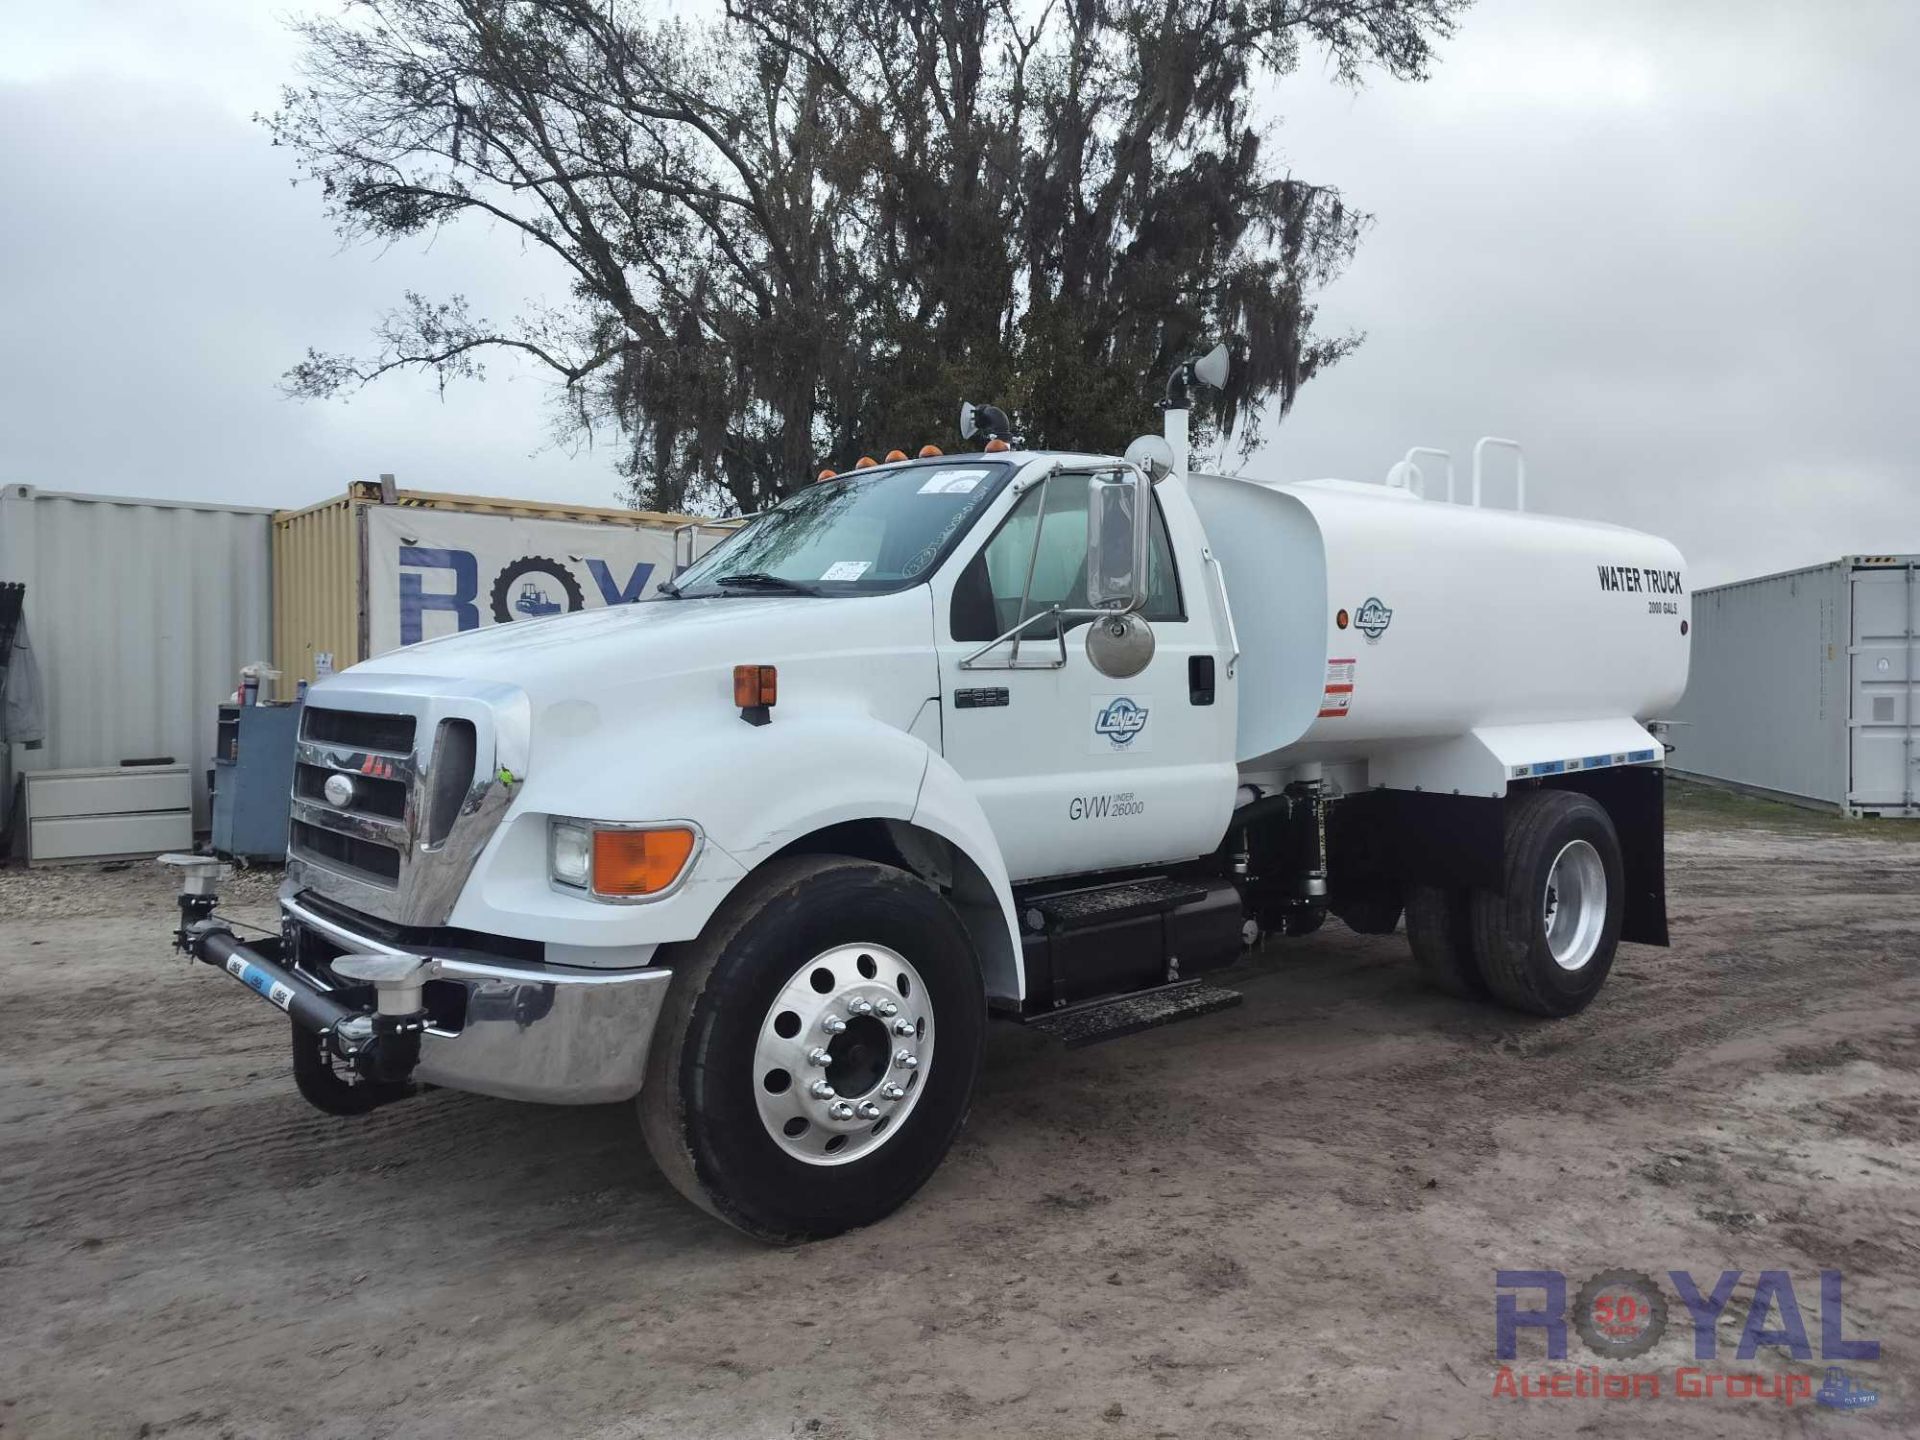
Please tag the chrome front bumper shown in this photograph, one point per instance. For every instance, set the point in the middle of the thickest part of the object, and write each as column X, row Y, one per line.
column 532, row 1032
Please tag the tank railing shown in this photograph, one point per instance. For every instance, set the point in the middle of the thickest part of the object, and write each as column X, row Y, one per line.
column 1408, row 462
column 1519, row 467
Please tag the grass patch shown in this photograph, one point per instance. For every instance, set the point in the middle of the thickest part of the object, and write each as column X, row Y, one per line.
column 1692, row 806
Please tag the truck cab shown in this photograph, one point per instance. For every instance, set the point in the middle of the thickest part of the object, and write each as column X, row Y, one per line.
column 947, row 738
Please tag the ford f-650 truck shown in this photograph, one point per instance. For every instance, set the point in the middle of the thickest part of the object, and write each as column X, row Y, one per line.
column 1041, row 736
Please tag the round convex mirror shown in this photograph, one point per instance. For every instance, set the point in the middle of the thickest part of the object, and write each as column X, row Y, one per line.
column 1119, row 645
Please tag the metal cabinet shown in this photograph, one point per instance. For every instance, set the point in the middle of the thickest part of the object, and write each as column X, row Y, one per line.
column 252, row 780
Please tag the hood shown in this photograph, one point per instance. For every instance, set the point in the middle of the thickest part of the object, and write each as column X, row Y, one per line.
column 659, row 651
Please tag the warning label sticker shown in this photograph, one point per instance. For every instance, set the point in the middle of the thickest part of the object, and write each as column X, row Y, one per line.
column 1337, row 698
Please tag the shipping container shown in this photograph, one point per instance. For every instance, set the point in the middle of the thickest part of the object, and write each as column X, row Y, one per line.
column 1802, row 687
column 376, row 568
column 140, row 613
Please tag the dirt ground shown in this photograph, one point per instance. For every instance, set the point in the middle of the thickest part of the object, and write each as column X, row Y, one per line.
column 1282, row 1219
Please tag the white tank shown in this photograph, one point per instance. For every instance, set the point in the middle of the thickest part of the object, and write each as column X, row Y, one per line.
column 1379, row 626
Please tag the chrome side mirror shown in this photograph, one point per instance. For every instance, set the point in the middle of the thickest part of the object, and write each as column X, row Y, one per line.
column 1153, row 456
column 1117, row 502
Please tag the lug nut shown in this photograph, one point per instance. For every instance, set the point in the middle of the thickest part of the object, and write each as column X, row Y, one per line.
column 840, row 1110
column 833, row 1025
column 817, row 1056
column 907, row 1060
column 903, row 1026
column 859, row 1007
column 892, row 1092
column 821, row 1090
column 887, row 1008
column 869, row 1110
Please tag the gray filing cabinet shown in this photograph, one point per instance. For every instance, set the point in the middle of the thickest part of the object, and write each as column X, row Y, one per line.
column 75, row 815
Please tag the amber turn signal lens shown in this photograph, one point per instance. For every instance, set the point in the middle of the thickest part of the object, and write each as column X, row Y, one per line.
column 639, row 862
column 755, row 685
column 1340, row 620
column 930, row 452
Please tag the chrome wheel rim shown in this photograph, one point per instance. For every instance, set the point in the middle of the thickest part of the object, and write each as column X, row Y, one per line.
column 1574, row 906
column 843, row 1054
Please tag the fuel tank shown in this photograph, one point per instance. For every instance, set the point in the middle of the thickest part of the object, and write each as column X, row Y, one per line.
column 1371, row 620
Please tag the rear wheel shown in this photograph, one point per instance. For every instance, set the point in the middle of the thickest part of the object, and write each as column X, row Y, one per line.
column 1546, row 944
column 1440, row 932
column 1371, row 914
column 818, row 1049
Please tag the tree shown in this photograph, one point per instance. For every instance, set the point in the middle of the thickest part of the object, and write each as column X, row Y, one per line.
column 805, row 231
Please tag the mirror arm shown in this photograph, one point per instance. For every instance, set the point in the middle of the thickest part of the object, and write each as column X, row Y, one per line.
column 1055, row 613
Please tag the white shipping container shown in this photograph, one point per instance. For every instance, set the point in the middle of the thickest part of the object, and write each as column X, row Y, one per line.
column 1803, row 687
column 141, row 613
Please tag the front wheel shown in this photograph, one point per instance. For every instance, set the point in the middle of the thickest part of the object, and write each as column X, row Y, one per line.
column 818, row 1049
column 1546, row 943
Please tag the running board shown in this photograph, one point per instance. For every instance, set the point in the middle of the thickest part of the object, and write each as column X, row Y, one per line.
column 1109, row 1019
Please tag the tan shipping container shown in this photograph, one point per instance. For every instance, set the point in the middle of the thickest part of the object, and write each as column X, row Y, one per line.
column 320, row 564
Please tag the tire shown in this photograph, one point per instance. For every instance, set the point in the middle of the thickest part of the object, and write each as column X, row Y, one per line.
column 1297, row 924
column 1439, row 931
column 702, row 1107
column 1554, row 966
column 1372, row 915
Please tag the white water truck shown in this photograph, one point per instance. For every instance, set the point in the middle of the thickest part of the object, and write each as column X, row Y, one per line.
column 1039, row 736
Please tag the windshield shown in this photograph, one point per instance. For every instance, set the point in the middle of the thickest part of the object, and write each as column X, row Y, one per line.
column 867, row 533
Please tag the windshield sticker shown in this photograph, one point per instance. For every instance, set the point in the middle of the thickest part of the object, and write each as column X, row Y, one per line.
column 952, row 482
column 846, row 570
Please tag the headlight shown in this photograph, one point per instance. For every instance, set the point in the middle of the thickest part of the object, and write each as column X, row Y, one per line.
column 619, row 862
column 570, row 854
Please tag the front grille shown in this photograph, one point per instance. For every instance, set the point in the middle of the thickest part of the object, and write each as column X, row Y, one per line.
column 425, row 798
column 358, row 730
column 366, row 858
column 371, row 795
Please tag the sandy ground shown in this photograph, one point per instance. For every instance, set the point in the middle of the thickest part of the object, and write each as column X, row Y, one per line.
column 1282, row 1219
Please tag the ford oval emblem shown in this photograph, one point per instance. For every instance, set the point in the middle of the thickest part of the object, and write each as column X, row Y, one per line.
column 339, row 791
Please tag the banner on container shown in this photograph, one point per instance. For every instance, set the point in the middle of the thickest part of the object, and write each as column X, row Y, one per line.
column 435, row 572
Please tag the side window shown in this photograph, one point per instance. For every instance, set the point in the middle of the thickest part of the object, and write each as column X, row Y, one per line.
column 986, row 600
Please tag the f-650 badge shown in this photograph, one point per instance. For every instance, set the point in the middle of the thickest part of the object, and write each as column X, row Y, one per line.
column 1372, row 618
column 1121, row 722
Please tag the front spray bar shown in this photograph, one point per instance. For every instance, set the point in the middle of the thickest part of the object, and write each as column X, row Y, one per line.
column 382, row 1045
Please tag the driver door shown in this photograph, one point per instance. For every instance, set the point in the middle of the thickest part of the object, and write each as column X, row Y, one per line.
column 1075, row 770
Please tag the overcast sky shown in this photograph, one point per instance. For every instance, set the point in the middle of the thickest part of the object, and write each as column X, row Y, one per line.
column 1670, row 246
